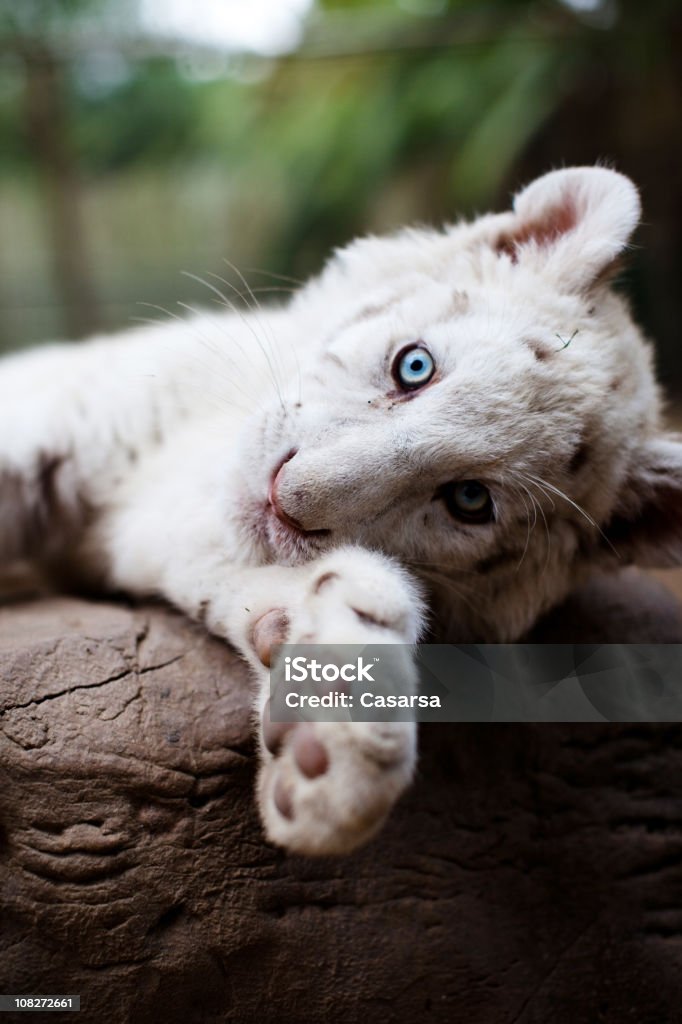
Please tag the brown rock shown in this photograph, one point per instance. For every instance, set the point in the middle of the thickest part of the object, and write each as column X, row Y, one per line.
column 532, row 874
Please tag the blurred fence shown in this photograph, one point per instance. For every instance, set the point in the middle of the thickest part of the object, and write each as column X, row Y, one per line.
column 128, row 157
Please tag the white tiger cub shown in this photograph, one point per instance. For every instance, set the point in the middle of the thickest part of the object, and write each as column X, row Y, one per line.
column 465, row 421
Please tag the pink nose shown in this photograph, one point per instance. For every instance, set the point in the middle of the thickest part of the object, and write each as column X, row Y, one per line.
column 273, row 496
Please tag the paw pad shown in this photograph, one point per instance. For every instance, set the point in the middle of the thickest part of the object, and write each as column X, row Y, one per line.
column 282, row 798
column 310, row 755
column 274, row 732
column 268, row 631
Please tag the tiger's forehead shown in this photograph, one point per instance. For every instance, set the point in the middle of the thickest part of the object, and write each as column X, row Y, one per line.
column 421, row 303
column 477, row 335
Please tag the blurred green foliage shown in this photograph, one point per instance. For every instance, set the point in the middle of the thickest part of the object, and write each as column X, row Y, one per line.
column 390, row 111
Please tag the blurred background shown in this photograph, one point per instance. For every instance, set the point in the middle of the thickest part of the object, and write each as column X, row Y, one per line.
column 141, row 139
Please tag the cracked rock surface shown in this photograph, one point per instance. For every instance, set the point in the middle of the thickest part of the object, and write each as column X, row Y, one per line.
column 532, row 874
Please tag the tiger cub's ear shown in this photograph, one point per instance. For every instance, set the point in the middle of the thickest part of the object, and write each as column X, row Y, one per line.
column 572, row 224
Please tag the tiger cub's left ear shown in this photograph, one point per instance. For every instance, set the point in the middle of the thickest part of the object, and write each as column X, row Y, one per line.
column 646, row 528
column 572, row 224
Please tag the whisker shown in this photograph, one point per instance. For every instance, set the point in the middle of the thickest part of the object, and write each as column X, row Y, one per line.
column 250, row 292
column 221, row 401
column 576, row 506
column 278, row 277
column 206, row 343
column 238, row 312
column 211, row 346
column 439, row 566
column 290, row 290
column 465, row 594
column 529, row 529
column 223, row 298
column 254, row 304
column 541, row 510
column 542, row 490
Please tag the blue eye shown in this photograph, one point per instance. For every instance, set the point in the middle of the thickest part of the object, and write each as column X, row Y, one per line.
column 468, row 500
column 413, row 368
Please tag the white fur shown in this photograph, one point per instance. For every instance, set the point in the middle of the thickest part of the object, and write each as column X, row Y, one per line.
column 143, row 462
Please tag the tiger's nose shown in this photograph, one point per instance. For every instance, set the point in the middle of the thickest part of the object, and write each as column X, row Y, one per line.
column 273, row 494
column 276, row 503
